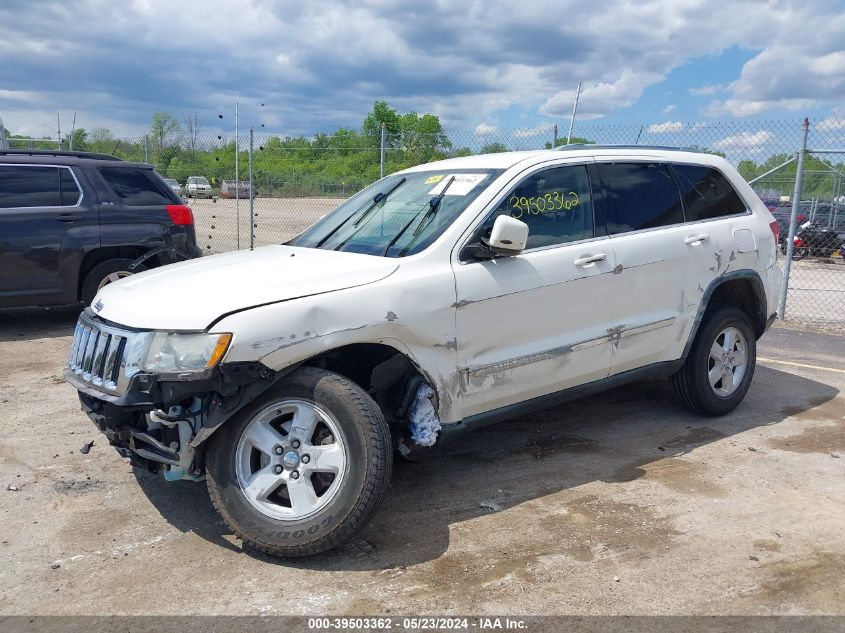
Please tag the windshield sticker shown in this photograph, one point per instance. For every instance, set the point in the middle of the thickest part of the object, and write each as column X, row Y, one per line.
column 433, row 179
column 461, row 186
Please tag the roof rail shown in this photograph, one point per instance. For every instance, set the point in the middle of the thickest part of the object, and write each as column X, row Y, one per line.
column 49, row 152
column 624, row 146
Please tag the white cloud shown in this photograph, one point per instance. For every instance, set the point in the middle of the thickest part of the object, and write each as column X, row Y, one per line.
column 708, row 89
column 669, row 127
column 750, row 142
column 540, row 130
column 830, row 123
column 484, row 129
column 669, row 109
column 319, row 63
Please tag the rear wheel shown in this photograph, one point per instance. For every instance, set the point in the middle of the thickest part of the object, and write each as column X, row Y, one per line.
column 720, row 365
column 302, row 469
column 105, row 273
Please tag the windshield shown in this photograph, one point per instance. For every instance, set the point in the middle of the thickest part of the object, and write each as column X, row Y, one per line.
column 198, row 180
column 398, row 215
column 170, row 181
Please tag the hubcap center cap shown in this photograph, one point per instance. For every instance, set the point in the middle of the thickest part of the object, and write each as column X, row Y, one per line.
column 290, row 459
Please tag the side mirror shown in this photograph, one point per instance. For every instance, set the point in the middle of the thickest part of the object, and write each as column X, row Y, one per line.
column 508, row 236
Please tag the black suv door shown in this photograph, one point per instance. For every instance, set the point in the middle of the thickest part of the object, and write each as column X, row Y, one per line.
column 44, row 219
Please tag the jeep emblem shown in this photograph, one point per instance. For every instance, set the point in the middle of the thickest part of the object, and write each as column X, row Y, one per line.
column 99, row 305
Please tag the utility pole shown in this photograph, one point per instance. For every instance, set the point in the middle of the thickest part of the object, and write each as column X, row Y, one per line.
column 72, row 130
column 59, row 128
column 554, row 137
column 574, row 110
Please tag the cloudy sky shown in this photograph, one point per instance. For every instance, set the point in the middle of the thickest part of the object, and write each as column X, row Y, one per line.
column 477, row 64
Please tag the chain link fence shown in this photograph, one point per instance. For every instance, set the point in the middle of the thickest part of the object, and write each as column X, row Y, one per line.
column 297, row 179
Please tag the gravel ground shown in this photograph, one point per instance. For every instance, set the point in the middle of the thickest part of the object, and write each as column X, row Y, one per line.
column 621, row 503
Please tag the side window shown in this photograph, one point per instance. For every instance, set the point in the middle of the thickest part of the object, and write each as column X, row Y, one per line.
column 707, row 193
column 134, row 187
column 70, row 190
column 639, row 196
column 29, row 186
column 556, row 204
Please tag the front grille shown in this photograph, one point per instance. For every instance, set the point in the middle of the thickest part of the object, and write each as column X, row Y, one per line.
column 104, row 356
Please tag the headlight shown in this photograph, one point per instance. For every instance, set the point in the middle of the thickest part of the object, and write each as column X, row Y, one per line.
column 178, row 353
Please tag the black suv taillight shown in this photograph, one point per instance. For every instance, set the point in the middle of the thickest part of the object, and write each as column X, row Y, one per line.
column 180, row 214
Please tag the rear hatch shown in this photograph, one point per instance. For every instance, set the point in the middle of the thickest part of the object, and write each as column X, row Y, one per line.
column 137, row 205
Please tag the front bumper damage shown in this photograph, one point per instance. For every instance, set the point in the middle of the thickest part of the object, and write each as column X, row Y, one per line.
column 160, row 425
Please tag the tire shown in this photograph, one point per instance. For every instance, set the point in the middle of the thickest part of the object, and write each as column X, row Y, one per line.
column 693, row 384
column 284, row 519
column 104, row 273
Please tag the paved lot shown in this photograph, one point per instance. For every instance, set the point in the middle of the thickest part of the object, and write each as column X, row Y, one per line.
column 620, row 503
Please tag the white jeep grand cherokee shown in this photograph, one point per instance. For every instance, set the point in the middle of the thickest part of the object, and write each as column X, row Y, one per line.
column 441, row 297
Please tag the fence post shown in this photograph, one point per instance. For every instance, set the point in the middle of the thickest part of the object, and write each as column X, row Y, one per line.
column 381, row 147
column 146, row 148
column 793, row 218
column 251, row 196
column 554, row 136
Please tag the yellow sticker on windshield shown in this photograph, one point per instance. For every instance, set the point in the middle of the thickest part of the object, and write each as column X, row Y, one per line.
column 433, row 179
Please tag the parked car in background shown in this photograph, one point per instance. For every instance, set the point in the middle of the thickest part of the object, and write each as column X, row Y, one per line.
column 174, row 184
column 236, row 189
column 73, row 222
column 198, row 187
column 443, row 297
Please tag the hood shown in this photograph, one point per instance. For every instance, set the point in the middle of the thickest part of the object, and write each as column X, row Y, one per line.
column 191, row 295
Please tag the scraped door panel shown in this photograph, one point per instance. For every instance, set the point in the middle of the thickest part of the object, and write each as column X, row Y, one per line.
column 533, row 324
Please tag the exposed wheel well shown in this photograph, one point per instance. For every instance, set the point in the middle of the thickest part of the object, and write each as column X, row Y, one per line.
column 100, row 255
column 746, row 294
column 384, row 372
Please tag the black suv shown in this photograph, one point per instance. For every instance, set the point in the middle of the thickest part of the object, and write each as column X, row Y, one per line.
column 71, row 222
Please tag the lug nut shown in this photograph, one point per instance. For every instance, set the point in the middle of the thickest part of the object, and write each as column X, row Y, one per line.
column 278, row 450
column 306, row 459
column 294, row 474
column 295, row 443
column 277, row 469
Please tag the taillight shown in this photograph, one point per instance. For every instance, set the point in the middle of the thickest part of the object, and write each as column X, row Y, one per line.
column 775, row 230
column 180, row 214
column 799, row 243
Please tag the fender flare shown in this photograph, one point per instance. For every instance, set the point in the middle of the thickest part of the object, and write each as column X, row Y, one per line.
column 760, row 300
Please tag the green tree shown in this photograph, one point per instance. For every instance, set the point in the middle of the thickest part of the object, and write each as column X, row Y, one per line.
column 78, row 140
column 381, row 113
column 494, row 148
column 163, row 127
column 575, row 140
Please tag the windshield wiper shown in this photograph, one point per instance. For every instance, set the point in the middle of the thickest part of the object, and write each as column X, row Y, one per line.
column 376, row 199
column 433, row 205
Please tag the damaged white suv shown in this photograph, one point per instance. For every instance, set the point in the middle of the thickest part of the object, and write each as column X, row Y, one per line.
column 442, row 297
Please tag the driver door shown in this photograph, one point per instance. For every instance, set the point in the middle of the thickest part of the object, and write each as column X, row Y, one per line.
column 536, row 323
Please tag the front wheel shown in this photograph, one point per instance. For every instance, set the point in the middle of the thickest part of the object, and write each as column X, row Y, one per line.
column 720, row 364
column 303, row 468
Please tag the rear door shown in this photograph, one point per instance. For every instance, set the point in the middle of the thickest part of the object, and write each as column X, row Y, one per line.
column 133, row 210
column 45, row 223
column 663, row 264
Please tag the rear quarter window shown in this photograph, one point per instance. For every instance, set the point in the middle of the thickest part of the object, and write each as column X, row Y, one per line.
column 135, row 187
column 707, row 193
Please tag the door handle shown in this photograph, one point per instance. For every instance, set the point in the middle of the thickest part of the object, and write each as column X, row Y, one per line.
column 695, row 239
column 67, row 217
column 590, row 259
